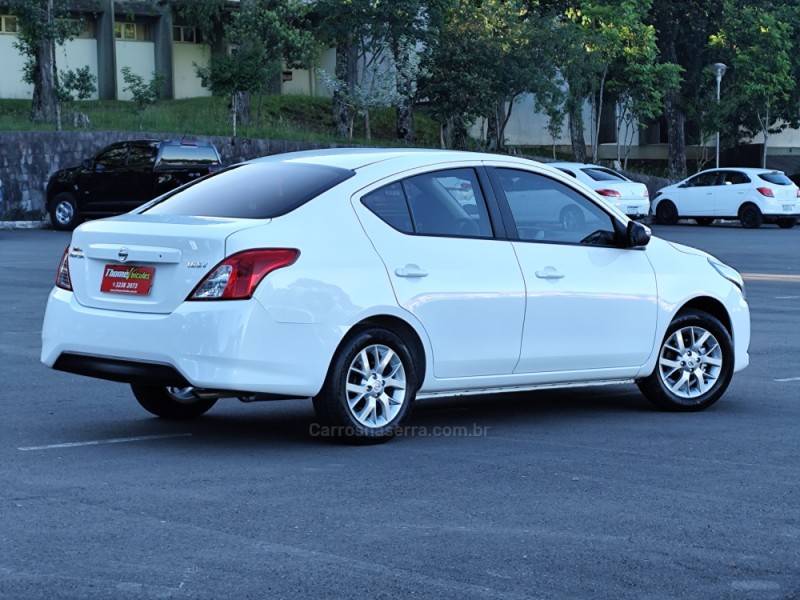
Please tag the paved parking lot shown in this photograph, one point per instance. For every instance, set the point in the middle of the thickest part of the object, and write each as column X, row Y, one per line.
column 579, row 494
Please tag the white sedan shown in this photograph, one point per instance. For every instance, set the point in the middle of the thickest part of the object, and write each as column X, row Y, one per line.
column 630, row 197
column 366, row 279
column 754, row 196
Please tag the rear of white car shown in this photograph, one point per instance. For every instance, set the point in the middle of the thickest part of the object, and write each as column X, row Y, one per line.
column 629, row 197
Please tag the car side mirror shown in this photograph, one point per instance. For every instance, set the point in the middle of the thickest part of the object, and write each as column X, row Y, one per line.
column 638, row 235
column 99, row 167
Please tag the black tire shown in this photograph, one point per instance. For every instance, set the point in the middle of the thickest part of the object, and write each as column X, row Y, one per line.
column 331, row 404
column 666, row 213
column 704, row 221
column 750, row 216
column 64, row 205
column 654, row 388
column 162, row 403
column 787, row 222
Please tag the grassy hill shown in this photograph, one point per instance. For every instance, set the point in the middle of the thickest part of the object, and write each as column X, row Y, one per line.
column 276, row 117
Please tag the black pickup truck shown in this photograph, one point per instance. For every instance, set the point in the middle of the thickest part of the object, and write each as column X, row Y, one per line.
column 123, row 176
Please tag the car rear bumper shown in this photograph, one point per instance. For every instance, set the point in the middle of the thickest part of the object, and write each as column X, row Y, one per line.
column 212, row 345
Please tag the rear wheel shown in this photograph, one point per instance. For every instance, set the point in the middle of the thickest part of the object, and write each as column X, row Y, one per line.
column 370, row 387
column 750, row 216
column 171, row 402
column 787, row 223
column 64, row 214
column 666, row 213
column 695, row 364
column 704, row 221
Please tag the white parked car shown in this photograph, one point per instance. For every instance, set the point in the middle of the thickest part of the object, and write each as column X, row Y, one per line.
column 366, row 279
column 754, row 196
column 628, row 196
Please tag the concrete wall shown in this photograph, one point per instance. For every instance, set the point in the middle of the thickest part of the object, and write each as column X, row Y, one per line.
column 186, row 58
column 307, row 82
column 140, row 57
column 27, row 159
column 76, row 54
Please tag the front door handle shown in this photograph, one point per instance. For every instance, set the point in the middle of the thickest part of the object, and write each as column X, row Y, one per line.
column 549, row 273
column 410, row 271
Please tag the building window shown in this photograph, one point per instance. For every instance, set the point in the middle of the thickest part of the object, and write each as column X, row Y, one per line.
column 186, row 34
column 130, row 31
column 8, row 24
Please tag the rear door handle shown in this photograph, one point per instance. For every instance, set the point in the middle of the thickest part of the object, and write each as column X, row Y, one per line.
column 549, row 273
column 410, row 271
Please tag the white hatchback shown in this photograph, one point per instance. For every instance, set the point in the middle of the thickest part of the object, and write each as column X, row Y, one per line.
column 630, row 197
column 366, row 279
column 754, row 196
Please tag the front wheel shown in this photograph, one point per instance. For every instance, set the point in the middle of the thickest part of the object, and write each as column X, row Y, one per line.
column 695, row 364
column 171, row 402
column 787, row 223
column 369, row 389
column 666, row 213
column 64, row 214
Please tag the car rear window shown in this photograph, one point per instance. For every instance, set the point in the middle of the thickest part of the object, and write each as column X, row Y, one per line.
column 603, row 174
column 775, row 177
column 259, row 190
column 184, row 154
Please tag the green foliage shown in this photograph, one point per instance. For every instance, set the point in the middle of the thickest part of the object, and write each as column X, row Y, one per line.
column 144, row 93
column 76, row 84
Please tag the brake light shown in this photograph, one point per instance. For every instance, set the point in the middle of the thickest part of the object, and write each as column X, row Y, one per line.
column 63, row 280
column 765, row 191
column 238, row 276
column 609, row 193
column 646, row 193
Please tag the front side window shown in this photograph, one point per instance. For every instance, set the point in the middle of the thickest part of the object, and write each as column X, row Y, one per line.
column 112, row 157
column 257, row 190
column 703, row 180
column 733, row 178
column 545, row 210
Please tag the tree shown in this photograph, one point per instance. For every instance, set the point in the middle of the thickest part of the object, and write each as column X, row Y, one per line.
column 144, row 93
column 758, row 45
column 263, row 34
column 73, row 85
column 43, row 24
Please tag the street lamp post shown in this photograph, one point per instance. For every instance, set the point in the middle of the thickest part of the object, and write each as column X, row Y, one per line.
column 719, row 72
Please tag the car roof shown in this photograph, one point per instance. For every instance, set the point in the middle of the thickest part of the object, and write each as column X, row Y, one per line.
column 750, row 170
column 575, row 165
column 357, row 158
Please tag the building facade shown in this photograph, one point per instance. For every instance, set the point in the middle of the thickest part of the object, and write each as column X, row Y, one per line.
column 148, row 38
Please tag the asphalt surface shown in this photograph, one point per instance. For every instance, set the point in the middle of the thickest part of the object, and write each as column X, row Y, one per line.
column 572, row 494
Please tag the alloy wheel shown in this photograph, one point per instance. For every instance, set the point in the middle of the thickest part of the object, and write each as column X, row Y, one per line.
column 65, row 212
column 690, row 363
column 375, row 386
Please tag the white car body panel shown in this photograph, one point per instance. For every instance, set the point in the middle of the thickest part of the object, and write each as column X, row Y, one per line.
column 484, row 319
column 725, row 200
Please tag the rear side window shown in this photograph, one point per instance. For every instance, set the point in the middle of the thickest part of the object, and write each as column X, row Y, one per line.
column 173, row 155
column 599, row 174
column 775, row 177
column 733, row 178
column 389, row 203
column 252, row 191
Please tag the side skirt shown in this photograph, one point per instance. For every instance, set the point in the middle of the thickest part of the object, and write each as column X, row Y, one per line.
column 521, row 388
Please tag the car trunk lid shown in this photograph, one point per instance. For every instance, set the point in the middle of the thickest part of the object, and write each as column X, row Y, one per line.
column 174, row 253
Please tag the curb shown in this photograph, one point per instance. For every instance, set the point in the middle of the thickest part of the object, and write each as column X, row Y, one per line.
column 7, row 225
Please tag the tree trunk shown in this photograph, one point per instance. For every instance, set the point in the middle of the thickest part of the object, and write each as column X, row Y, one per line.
column 504, row 115
column 346, row 74
column 765, row 128
column 676, row 136
column 242, row 107
column 491, row 131
column 599, row 115
column 44, row 108
column 405, row 81
column 575, row 118
column 367, row 125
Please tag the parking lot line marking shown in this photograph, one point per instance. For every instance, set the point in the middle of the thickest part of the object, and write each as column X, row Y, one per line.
column 784, row 277
column 125, row 440
column 785, row 379
column 787, row 297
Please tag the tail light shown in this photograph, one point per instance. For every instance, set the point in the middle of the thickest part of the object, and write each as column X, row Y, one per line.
column 646, row 193
column 63, row 279
column 765, row 191
column 798, row 192
column 609, row 193
column 238, row 276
